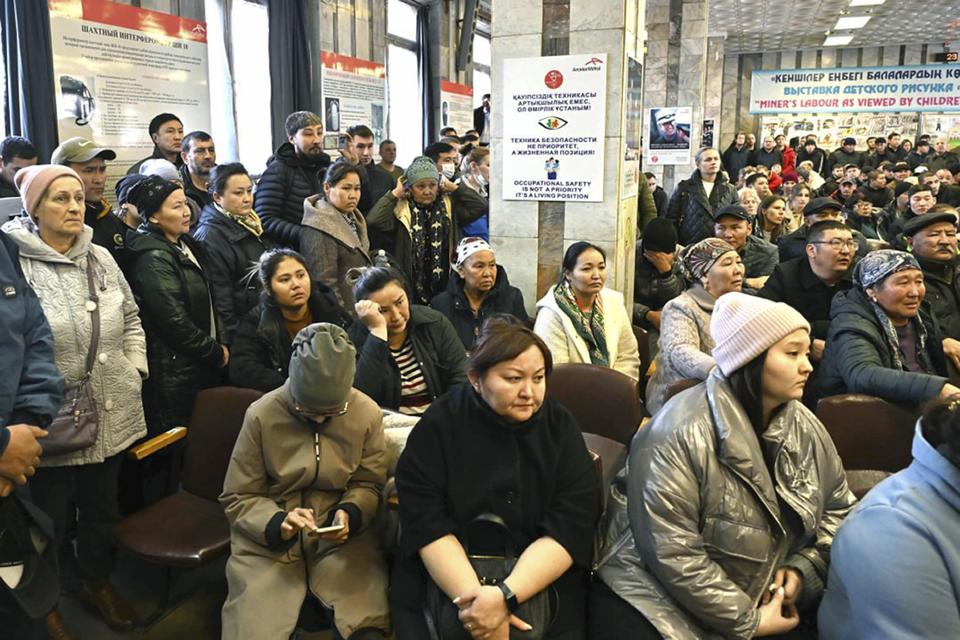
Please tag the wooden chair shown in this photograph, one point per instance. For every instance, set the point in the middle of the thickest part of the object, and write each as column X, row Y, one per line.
column 189, row 529
column 873, row 437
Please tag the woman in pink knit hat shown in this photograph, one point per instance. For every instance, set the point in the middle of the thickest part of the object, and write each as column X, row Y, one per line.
column 723, row 523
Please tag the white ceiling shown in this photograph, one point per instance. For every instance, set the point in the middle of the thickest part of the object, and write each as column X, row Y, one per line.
column 781, row 25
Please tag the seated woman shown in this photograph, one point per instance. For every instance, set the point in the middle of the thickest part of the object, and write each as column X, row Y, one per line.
column 280, row 493
column 477, row 289
column 422, row 217
column 733, row 495
column 771, row 221
column 289, row 302
column 334, row 236
column 496, row 446
column 748, row 197
column 880, row 342
column 582, row 321
column 685, row 342
column 169, row 277
column 797, row 199
column 896, row 560
column 233, row 239
column 407, row 355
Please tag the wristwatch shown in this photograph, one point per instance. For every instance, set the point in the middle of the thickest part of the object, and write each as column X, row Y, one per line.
column 509, row 596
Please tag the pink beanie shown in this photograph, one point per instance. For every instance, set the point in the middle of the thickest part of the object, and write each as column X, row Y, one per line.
column 744, row 326
column 33, row 182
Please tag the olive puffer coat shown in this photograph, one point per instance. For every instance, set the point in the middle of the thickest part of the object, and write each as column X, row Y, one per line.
column 60, row 281
column 176, row 310
column 699, row 523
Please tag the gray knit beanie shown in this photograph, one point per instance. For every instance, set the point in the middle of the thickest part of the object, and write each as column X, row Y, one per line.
column 420, row 169
column 744, row 326
column 321, row 368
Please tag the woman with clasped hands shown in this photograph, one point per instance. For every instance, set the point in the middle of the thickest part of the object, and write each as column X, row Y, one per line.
column 496, row 445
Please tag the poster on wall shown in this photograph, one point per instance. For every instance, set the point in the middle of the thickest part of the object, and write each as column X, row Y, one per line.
column 706, row 135
column 633, row 139
column 669, row 135
column 554, row 113
column 902, row 88
column 456, row 106
column 943, row 124
column 354, row 92
column 832, row 128
column 115, row 67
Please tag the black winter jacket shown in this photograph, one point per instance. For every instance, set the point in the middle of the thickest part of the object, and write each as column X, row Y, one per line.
column 231, row 252
column 260, row 354
column 652, row 289
column 156, row 155
column 692, row 212
column 200, row 198
column 660, row 199
column 857, row 358
column 174, row 301
column 109, row 231
column 441, row 355
column 794, row 245
column 286, row 182
column 943, row 294
column 503, row 298
column 795, row 283
column 734, row 160
column 818, row 157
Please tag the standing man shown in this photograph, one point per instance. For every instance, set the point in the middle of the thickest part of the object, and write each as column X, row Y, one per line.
column 388, row 159
column 166, row 131
column 199, row 157
column 695, row 199
column 768, row 155
column 374, row 181
column 894, row 150
column 943, row 193
column 941, row 158
column 30, row 393
column 920, row 154
column 659, row 195
column 15, row 154
column 90, row 162
column 879, row 156
column 481, row 120
column 814, row 154
column 293, row 173
column 846, row 154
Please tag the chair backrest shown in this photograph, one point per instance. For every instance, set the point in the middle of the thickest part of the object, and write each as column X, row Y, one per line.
column 643, row 345
column 869, row 432
column 604, row 401
column 213, row 430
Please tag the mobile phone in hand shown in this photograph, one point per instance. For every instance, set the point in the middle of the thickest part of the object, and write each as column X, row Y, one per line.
column 316, row 531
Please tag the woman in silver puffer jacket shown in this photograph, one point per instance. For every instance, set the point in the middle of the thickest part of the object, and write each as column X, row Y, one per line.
column 733, row 494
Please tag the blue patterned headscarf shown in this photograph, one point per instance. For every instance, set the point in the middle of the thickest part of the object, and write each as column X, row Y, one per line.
column 877, row 265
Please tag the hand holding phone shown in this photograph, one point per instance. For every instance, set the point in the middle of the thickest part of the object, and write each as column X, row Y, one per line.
column 316, row 531
column 338, row 531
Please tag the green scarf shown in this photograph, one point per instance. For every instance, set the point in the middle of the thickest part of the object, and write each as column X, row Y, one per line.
column 590, row 328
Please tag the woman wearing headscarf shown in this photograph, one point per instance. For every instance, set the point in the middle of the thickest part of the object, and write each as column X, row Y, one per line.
column 722, row 523
column 169, row 278
column 881, row 342
column 583, row 321
column 96, row 333
column 478, row 288
column 421, row 219
column 685, row 342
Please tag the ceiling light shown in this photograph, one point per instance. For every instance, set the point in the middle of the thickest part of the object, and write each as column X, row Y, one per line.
column 851, row 22
column 837, row 41
column 865, row 3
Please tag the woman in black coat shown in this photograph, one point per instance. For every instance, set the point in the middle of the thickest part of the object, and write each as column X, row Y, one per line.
column 407, row 355
column 881, row 343
column 169, row 282
column 290, row 301
column 233, row 239
column 496, row 446
column 477, row 289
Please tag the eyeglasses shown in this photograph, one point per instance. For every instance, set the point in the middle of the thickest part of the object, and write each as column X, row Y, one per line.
column 312, row 415
column 838, row 244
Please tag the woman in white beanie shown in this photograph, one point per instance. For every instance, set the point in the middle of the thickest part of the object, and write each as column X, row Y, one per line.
column 722, row 524
column 685, row 342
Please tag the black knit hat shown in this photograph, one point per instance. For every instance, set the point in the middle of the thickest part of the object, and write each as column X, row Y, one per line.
column 126, row 184
column 660, row 235
column 150, row 194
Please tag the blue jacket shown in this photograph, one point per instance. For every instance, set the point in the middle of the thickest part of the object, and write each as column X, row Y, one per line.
column 895, row 564
column 31, row 385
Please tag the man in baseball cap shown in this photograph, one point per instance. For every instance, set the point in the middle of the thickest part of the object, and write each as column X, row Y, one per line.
column 794, row 245
column 734, row 225
column 89, row 160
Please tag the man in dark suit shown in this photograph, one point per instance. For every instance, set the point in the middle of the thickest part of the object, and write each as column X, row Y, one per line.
column 481, row 120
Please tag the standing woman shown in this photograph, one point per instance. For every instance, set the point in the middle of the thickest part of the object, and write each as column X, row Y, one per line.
column 290, row 301
column 496, row 446
column 477, row 177
column 733, row 494
column 169, row 280
column 83, row 294
column 334, row 236
column 582, row 321
column 233, row 240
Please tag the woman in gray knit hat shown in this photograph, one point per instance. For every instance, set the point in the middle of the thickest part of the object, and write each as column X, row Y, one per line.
column 735, row 492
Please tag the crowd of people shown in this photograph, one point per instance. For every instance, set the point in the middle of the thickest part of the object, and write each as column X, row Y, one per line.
column 343, row 289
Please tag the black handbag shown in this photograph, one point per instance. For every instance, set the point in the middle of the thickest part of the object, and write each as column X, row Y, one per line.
column 78, row 422
column 442, row 616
